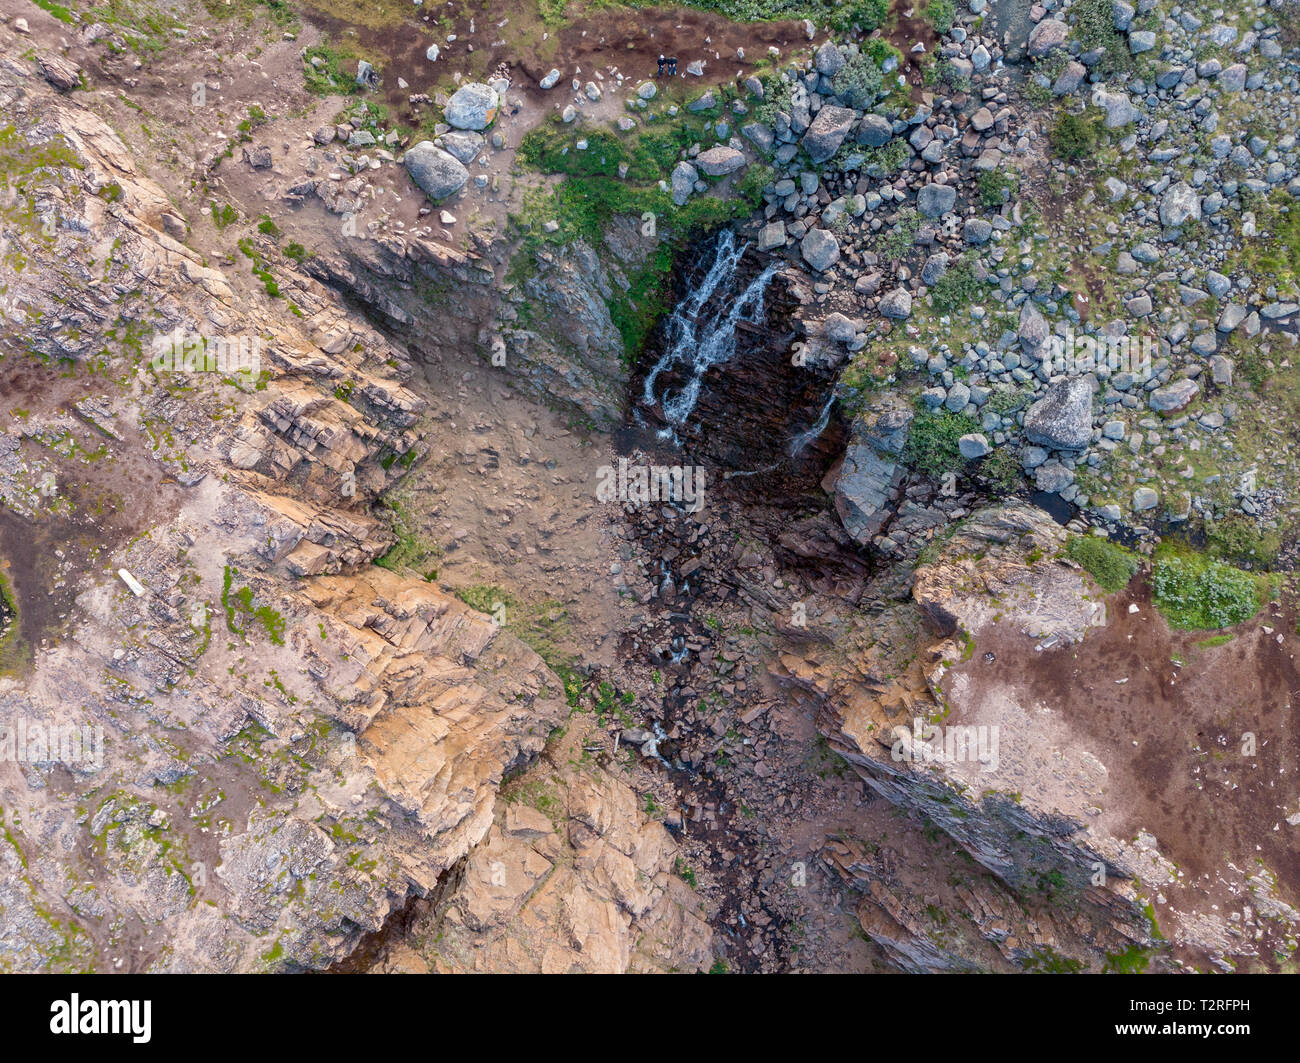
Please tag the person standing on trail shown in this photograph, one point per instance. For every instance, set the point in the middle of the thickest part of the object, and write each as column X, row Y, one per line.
column 672, row 66
column 661, row 67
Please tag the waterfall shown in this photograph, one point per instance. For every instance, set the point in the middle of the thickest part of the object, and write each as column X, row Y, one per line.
column 810, row 434
column 699, row 337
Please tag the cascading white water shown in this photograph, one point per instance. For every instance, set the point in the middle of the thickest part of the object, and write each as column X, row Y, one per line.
column 701, row 343
column 809, row 435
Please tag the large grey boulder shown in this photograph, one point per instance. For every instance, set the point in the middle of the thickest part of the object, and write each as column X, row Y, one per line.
column 719, row 161
column 1175, row 396
column 934, row 200
column 683, row 182
column 870, row 474
column 839, row 328
column 472, row 106
column 1033, row 331
column 875, row 131
column 1046, row 37
column 1180, row 203
column 1062, row 419
column 820, row 249
column 896, row 304
column 463, row 144
column 827, row 132
column 829, row 60
column 772, row 236
column 1119, row 108
column 437, row 172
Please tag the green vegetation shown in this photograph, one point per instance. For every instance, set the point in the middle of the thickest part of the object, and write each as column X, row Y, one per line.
column 259, row 268
column 1194, row 592
column 940, row 14
column 1273, row 257
column 1094, row 28
column 14, row 651
column 1239, row 541
column 295, row 251
column 859, row 81
column 411, row 549
column 997, row 187
column 1047, row 960
column 685, row 872
column 583, row 205
column 1075, row 136
column 932, row 447
column 57, row 10
column 1212, row 641
column 238, row 604
column 1110, row 564
column 323, row 70
column 866, row 15
column 958, row 287
column 224, row 215
column 898, row 241
column 1133, row 960
column 1001, row 471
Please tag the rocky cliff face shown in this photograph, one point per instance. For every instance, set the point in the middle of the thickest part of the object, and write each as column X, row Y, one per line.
column 295, row 743
column 552, row 331
column 885, row 708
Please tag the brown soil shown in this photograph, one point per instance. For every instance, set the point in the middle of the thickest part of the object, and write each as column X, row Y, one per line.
column 627, row 41
column 1171, row 738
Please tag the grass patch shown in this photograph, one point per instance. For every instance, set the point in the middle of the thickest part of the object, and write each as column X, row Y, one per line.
column 958, row 287
column 1194, row 592
column 940, row 14
column 1110, row 564
column 932, row 444
column 1216, row 640
column 1273, row 257
column 57, row 10
column 411, row 550
column 326, row 76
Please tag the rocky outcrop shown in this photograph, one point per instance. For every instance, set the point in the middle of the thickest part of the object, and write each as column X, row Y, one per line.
column 571, row 878
column 881, row 691
column 293, row 746
column 871, row 471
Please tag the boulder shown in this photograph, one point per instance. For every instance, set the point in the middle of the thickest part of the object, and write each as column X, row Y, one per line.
column 463, row 144
column 719, row 161
column 1174, row 396
column 875, row 131
column 839, row 328
column 683, row 182
column 935, row 200
column 820, row 249
column 828, row 60
column 1033, row 331
column 472, row 106
column 437, row 172
column 1046, row 37
column 1062, row 419
column 772, row 236
column 1180, row 203
column 827, row 132
column 896, row 304
column 870, row 472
